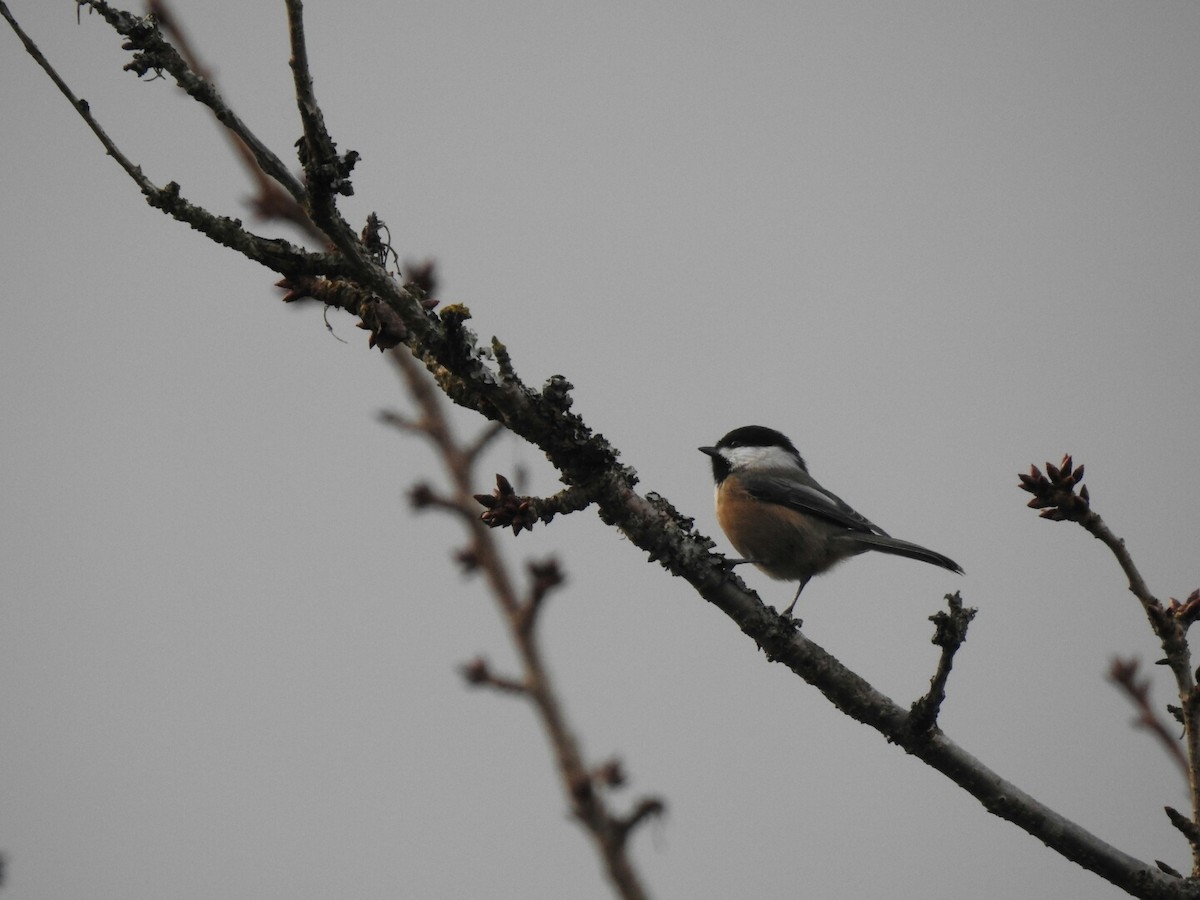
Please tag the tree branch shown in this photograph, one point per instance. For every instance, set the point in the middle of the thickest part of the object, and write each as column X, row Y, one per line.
column 949, row 633
column 1123, row 673
column 153, row 52
column 484, row 379
column 582, row 787
column 274, row 253
column 273, row 200
column 1054, row 494
column 326, row 174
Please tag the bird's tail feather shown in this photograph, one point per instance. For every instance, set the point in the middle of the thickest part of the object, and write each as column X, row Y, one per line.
column 898, row 547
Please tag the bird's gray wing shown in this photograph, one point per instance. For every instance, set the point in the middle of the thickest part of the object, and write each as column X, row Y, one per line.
column 805, row 495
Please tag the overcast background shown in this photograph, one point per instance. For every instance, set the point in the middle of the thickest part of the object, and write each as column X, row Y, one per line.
column 933, row 242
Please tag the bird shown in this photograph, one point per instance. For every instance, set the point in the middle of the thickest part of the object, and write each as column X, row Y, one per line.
column 780, row 519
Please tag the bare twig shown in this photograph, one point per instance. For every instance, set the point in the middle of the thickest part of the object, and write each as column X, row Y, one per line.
column 273, row 201
column 950, row 632
column 485, row 380
column 1123, row 673
column 153, row 53
column 608, row 831
column 326, row 175
column 483, row 440
column 271, row 252
column 1055, row 494
column 478, row 672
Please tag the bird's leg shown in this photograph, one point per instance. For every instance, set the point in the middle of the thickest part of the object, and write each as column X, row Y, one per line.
column 787, row 612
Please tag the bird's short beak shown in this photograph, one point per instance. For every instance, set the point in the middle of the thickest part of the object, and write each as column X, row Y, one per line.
column 711, row 451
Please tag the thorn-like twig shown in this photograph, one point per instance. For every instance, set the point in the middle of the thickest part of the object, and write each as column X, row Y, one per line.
column 478, row 673
column 1185, row 825
column 1164, row 867
column 950, row 631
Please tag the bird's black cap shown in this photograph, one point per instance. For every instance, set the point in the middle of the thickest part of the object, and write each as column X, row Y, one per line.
column 748, row 436
column 757, row 436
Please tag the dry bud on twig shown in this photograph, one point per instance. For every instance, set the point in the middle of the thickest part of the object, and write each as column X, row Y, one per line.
column 422, row 277
column 504, row 508
column 477, row 672
column 1054, row 493
column 610, row 774
column 545, row 577
column 1187, row 612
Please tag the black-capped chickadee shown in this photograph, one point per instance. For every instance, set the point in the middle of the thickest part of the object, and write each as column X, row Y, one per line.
column 779, row 518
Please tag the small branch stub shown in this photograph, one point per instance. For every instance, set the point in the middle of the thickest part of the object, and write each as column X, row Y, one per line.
column 544, row 577
column 477, row 672
column 1185, row 825
column 647, row 808
column 949, row 633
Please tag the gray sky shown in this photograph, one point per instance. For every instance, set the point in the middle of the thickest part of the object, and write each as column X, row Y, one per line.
column 933, row 242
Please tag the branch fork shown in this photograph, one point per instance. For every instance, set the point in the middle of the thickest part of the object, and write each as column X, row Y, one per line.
column 352, row 268
column 1059, row 495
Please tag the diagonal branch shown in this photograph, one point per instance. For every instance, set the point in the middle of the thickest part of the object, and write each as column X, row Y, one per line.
column 484, row 379
column 273, row 201
column 1055, row 494
column 1123, row 673
column 609, row 832
column 325, row 173
column 153, row 52
column 274, row 253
